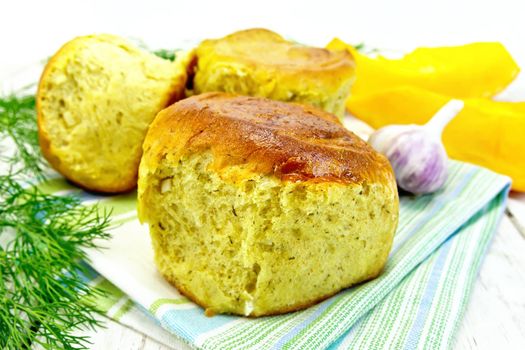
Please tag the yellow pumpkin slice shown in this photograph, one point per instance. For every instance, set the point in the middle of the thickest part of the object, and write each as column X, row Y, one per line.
column 473, row 70
column 485, row 132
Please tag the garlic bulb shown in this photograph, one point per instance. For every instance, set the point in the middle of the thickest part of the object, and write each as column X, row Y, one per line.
column 416, row 151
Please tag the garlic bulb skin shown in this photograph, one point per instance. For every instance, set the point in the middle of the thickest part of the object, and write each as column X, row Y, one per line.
column 416, row 152
column 418, row 159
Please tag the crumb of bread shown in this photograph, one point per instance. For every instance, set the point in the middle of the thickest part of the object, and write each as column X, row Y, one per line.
column 95, row 101
column 251, row 244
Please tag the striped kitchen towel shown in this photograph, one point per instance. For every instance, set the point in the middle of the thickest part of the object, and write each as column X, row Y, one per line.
column 417, row 302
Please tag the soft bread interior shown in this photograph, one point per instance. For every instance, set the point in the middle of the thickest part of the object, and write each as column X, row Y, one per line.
column 251, row 244
column 96, row 99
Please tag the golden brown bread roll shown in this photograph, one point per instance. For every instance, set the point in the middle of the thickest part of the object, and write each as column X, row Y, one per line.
column 260, row 207
column 96, row 98
column 258, row 62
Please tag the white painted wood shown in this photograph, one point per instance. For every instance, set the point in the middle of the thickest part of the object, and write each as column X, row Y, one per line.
column 115, row 336
column 495, row 315
column 516, row 211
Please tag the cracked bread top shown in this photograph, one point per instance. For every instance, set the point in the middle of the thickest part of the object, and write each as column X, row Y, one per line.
column 291, row 141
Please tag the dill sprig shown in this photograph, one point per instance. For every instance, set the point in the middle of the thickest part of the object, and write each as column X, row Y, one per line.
column 360, row 46
column 18, row 123
column 43, row 296
column 166, row 54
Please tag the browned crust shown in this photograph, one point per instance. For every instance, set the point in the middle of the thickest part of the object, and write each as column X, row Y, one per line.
column 43, row 137
column 261, row 47
column 45, row 141
column 299, row 306
column 291, row 141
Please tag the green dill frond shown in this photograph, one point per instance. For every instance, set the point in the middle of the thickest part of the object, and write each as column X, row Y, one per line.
column 18, row 124
column 166, row 54
column 360, row 46
column 365, row 49
column 43, row 294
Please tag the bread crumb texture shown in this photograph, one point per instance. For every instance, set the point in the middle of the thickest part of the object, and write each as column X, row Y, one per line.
column 258, row 62
column 96, row 99
column 239, row 242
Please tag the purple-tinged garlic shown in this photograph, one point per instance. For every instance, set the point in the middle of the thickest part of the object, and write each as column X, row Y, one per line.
column 416, row 152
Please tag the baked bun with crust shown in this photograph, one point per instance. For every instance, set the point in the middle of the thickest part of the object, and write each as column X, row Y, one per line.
column 258, row 62
column 96, row 99
column 260, row 207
